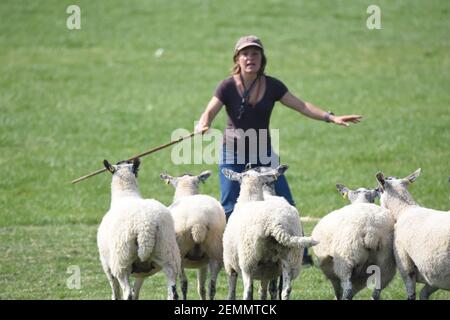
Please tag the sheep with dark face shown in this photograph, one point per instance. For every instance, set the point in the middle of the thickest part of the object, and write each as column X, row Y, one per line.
column 136, row 236
column 199, row 225
column 421, row 239
column 260, row 235
column 352, row 239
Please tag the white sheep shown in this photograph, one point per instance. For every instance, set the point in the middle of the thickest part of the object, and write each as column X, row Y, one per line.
column 136, row 236
column 199, row 225
column 421, row 240
column 295, row 257
column 260, row 235
column 352, row 239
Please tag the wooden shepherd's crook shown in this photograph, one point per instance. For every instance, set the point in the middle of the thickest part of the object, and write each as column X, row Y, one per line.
column 142, row 154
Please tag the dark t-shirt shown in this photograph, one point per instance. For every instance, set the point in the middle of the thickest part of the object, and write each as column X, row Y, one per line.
column 254, row 117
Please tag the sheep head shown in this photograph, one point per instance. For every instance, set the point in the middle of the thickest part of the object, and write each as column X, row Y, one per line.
column 360, row 195
column 396, row 183
column 186, row 181
column 263, row 175
column 123, row 166
column 394, row 191
column 268, row 187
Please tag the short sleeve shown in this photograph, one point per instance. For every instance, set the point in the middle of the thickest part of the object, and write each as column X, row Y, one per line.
column 279, row 89
column 219, row 93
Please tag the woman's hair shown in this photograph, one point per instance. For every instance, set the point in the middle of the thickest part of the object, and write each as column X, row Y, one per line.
column 237, row 68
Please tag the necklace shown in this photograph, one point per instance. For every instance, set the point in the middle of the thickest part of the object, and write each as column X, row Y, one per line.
column 245, row 96
column 246, row 93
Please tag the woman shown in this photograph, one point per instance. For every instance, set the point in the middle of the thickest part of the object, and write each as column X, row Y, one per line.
column 249, row 96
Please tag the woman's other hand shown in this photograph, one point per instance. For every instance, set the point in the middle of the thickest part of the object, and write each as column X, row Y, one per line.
column 344, row 120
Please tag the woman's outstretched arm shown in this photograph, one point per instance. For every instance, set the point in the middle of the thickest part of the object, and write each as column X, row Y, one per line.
column 314, row 112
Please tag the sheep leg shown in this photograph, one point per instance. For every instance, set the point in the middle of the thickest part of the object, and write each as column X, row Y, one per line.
column 287, row 278
column 201, row 280
column 273, row 289
column 214, row 267
column 407, row 270
column 137, row 287
column 248, row 286
column 347, row 288
column 343, row 270
column 376, row 294
column 125, row 285
column 171, row 275
column 426, row 291
column 410, row 284
column 232, row 279
column 337, row 288
column 263, row 289
column 184, row 284
column 115, row 287
column 280, row 286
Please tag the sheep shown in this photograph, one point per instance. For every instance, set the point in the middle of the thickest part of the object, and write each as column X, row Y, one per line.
column 136, row 236
column 260, row 235
column 352, row 239
column 295, row 255
column 421, row 238
column 199, row 225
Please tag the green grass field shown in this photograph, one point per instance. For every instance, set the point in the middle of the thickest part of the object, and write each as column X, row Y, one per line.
column 71, row 98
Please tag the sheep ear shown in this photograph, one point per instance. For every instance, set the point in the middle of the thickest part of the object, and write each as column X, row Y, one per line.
column 282, row 169
column 136, row 164
column 167, row 179
column 109, row 166
column 204, row 175
column 231, row 175
column 343, row 190
column 381, row 181
column 413, row 176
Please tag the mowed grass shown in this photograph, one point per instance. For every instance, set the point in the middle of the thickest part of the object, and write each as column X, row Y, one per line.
column 38, row 262
column 70, row 99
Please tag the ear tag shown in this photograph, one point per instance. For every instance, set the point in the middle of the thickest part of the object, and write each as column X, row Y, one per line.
column 167, row 181
column 345, row 195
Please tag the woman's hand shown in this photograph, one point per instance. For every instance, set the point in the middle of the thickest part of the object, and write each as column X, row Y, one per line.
column 344, row 120
column 200, row 128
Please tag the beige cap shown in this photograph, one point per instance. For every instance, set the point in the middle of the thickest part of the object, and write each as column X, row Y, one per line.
column 248, row 41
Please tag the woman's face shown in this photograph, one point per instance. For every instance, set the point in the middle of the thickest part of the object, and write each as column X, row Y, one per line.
column 250, row 59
